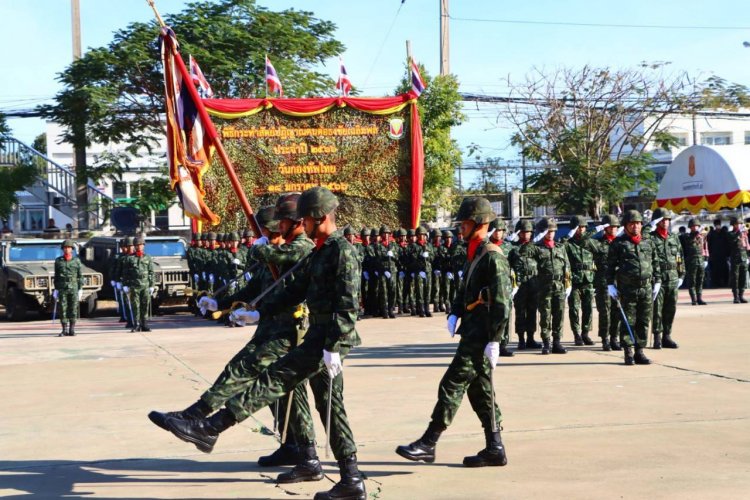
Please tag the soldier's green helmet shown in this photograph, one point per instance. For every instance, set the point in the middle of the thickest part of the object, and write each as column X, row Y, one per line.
column 385, row 229
column 476, row 209
column 68, row 243
column 434, row 233
column 348, row 231
column 410, row 232
column 123, row 243
column 401, row 232
column 631, row 216
column 611, row 219
column 524, row 225
column 733, row 220
column 693, row 222
column 220, row 237
column 661, row 213
column 211, row 236
column 373, row 233
column 247, row 233
column 265, row 215
column 139, row 240
column 498, row 225
column 129, row 241
column 204, row 236
column 578, row 221
column 421, row 230
column 316, row 202
column 233, row 236
column 286, row 207
column 447, row 234
column 546, row 224
column 195, row 236
column 364, row 232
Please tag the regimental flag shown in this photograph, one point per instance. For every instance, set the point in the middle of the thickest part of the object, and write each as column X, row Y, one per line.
column 417, row 85
column 199, row 79
column 190, row 141
column 272, row 79
column 344, row 84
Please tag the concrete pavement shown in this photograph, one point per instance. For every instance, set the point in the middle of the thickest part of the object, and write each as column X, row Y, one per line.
column 581, row 425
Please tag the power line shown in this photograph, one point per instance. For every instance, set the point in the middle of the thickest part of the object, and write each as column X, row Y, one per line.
column 602, row 25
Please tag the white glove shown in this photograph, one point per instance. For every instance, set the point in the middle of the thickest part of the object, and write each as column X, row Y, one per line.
column 705, row 264
column 452, row 320
column 126, row 289
column 460, row 274
column 150, row 290
column 387, row 274
column 601, row 227
column 261, row 241
column 210, row 304
column 657, row 287
column 236, row 262
column 567, row 292
column 55, row 294
column 679, row 282
column 492, row 352
column 247, row 316
column 423, row 275
column 366, row 275
column 513, row 292
column 113, row 283
column 654, row 222
column 612, row 291
column 333, row 363
column 235, row 320
column 401, row 275
column 202, row 310
column 80, row 295
column 211, row 278
column 204, row 274
column 248, row 276
column 412, row 275
column 620, row 231
column 377, row 274
column 202, row 302
column 437, row 272
column 449, row 275
column 119, row 285
column 425, row 254
column 195, row 277
column 390, row 253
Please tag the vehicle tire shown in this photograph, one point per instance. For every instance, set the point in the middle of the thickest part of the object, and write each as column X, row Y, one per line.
column 88, row 307
column 16, row 308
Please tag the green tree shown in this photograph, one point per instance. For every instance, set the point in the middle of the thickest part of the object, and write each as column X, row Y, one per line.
column 16, row 172
column 439, row 109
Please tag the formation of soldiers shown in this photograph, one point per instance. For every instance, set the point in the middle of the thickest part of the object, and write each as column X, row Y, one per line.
column 132, row 278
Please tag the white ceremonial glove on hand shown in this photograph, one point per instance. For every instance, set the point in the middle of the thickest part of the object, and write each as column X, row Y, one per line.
column 612, row 291
column 201, row 302
column 366, row 275
column 211, row 278
column 657, row 287
column 401, row 274
column 195, row 277
column 425, row 254
column 248, row 276
column 204, row 274
column 437, row 272
column 513, row 292
column 333, row 363
column 150, row 290
column 387, row 274
column 567, row 292
column 449, row 275
column 460, row 274
column 113, row 283
column 452, row 320
column 80, row 295
column 377, row 274
column 390, row 253
column 247, row 316
column 55, row 294
column 492, row 352
column 412, row 275
column 679, row 282
column 423, row 275
column 601, row 227
column 705, row 264
column 119, row 285
column 211, row 304
column 126, row 289
column 236, row 262
column 260, row 241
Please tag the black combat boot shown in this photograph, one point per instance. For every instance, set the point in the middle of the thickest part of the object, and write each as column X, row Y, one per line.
column 144, row 326
column 640, row 358
column 391, row 313
column 447, row 308
column 420, row 310
column 657, row 341
column 505, row 352
column 700, row 300
column 577, row 339
column 545, row 347
column 286, row 454
column 668, row 343
column 557, row 347
column 736, row 297
column 384, row 313
column 629, row 355
column 693, row 302
column 741, row 296
column 531, row 343
column 615, row 343
column 605, row 344
column 202, row 433
column 129, row 325
column 442, row 307
column 72, row 329
column 492, row 455
column 587, row 340
column 427, row 310
column 521, row 342
column 197, row 410
column 306, row 468
column 412, row 310
column 350, row 487
column 64, row 331
column 423, row 448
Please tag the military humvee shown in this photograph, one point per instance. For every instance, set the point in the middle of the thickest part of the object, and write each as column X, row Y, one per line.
column 27, row 278
column 171, row 273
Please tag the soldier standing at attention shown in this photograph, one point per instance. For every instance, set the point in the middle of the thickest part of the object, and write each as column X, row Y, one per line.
column 634, row 278
column 609, row 314
column 524, row 266
column 448, row 285
column 401, row 277
column 436, row 248
column 386, row 255
column 371, row 267
column 68, row 288
column 421, row 268
column 330, row 284
column 696, row 254
column 364, row 236
column 115, row 269
column 580, row 248
column 482, row 304
column 498, row 238
column 669, row 248
column 138, row 284
column 406, row 265
column 738, row 248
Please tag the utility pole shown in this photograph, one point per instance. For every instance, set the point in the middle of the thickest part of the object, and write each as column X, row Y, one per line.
column 75, row 11
column 79, row 131
column 444, row 39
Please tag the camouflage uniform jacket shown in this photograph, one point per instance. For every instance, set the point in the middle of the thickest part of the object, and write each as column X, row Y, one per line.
column 553, row 266
column 737, row 249
column 523, row 262
column 581, row 257
column 417, row 261
column 458, row 256
column 600, row 253
column 138, row 272
column 385, row 263
column 692, row 246
column 633, row 265
column 68, row 274
column 670, row 254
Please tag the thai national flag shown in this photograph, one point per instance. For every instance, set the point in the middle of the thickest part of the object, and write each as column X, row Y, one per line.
column 199, row 79
column 344, row 84
column 417, row 85
column 272, row 79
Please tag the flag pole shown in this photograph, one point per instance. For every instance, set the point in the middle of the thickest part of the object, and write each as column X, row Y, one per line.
column 265, row 73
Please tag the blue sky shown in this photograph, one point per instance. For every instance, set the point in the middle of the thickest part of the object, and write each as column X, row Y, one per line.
column 36, row 44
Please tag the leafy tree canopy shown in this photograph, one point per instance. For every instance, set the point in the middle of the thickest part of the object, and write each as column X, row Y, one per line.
column 14, row 177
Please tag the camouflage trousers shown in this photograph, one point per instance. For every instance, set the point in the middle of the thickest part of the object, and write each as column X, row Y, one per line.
column 436, row 290
column 244, row 369
column 664, row 308
column 469, row 373
column 738, row 276
column 580, row 308
column 67, row 306
column 407, row 295
column 524, row 304
column 387, row 291
column 550, row 300
column 609, row 314
column 304, row 362
column 637, row 302
column 140, row 300
column 422, row 288
column 450, row 286
column 695, row 275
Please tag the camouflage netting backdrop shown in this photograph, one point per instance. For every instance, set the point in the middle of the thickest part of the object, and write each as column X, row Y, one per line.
column 364, row 158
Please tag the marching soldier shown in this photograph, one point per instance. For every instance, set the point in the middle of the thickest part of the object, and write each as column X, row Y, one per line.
column 68, row 288
column 386, row 255
column 695, row 249
column 138, row 285
column 482, row 305
column 633, row 280
column 669, row 249
column 580, row 248
column 609, row 315
column 421, row 269
column 738, row 261
column 524, row 265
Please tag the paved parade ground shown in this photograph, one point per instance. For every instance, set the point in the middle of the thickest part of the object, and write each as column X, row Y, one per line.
column 581, row 425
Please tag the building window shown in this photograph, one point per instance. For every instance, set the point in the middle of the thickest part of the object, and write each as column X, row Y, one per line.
column 716, row 138
column 119, row 190
column 32, row 219
column 747, row 137
column 162, row 219
column 681, row 139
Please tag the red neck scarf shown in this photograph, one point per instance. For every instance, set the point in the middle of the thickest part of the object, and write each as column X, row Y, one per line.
column 67, row 257
column 473, row 245
column 662, row 232
column 421, row 243
column 233, row 250
column 549, row 243
column 610, row 237
column 139, row 253
column 320, row 241
column 635, row 239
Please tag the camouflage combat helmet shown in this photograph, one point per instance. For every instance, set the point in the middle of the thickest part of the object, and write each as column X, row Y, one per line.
column 524, row 225
column 410, row 232
column 195, row 236
column 421, row 230
column 286, row 207
column 733, row 220
column 434, row 233
column 68, row 243
column 364, row 232
column 129, row 241
column 211, row 236
column 373, row 233
column 204, row 236
column 631, row 216
column 447, row 234
column 265, row 215
column 123, row 242
column 476, row 209
column 139, row 240
column 348, row 231
column 233, row 236
column 401, row 232
column 578, row 221
column 219, row 237
column 611, row 219
column 661, row 213
column 385, row 229
column 546, row 224
column 316, row 202
column 693, row 222
column 248, row 233
column 498, row 225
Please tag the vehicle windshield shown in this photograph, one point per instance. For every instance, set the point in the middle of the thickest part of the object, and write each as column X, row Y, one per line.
column 35, row 252
column 165, row 248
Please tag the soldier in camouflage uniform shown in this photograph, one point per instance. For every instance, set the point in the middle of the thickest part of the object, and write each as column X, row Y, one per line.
column 448, row 282
column 457, row 258
column 364, row 236
column 669, row 248
column 409, row 281
column 438, row 256
column 499, row 228
column 420, row 264
column 523, row 263
column 386, row 255
column 634, row 278
column 68, row 288
column 482, row 304
column 138, row 284
column 609, row 314
column 372, row 274
column 696, row 260
column 580, row 248
column 738, row 261
column 401, row 276
column 115, row 265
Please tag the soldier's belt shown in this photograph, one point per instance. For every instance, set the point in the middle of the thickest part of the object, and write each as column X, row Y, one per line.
column 553, row 277
column 321, row 318
column 638, row 283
